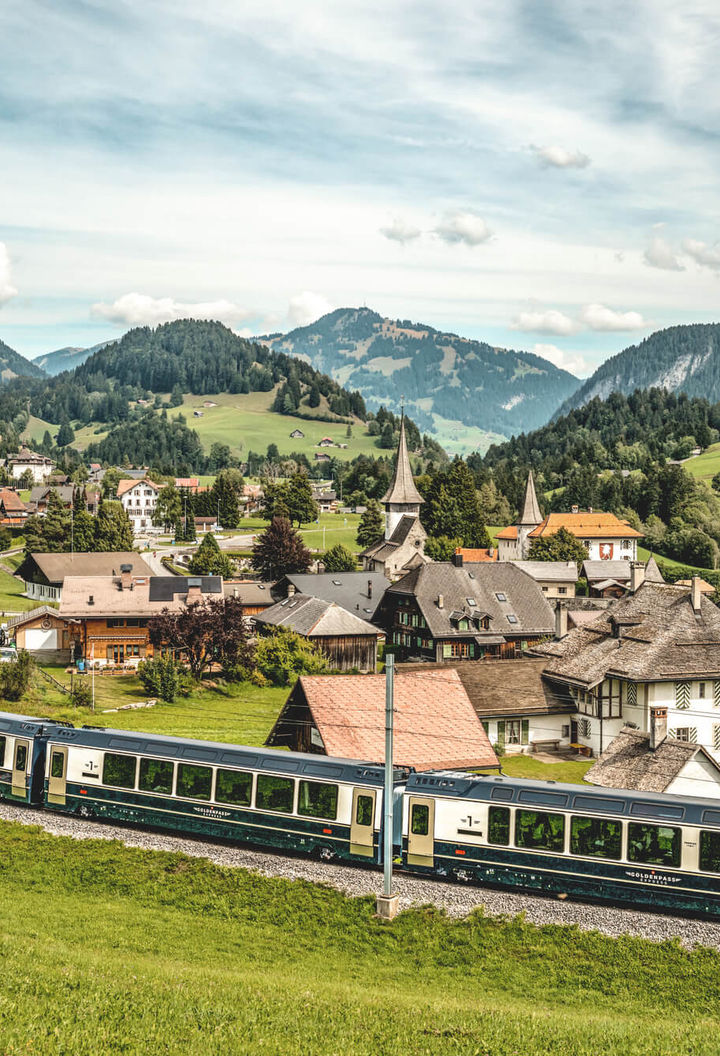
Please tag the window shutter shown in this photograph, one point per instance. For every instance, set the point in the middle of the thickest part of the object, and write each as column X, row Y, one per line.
column 525, row 734
column 692, row 735
column 485, row 725
column 716, row 693
column 716, row 737
column 501, row 732
column 632, row 694
column 682, row 695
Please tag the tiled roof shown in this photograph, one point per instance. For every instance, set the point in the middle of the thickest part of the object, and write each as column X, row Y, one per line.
column 552, row 571
column 531, row 510
column 475, row 555
column 315, row 618
column 628, row 762
column 385, row 548
column 586, row 526
column 32, row 614
column 402, row 488
column 249, row 591
column 508, row 533
column 486, row 683
column 11, row 501
column 109, row 599
column 435, row 724
column 127, row 485
column 55, row 567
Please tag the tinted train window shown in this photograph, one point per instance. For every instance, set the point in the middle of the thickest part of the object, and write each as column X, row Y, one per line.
column 653, row 844
column 194, row 782
column 499, row 825
column 119, row 770
column 710, row 852
column 274, row 793
column 596, row 837
column 364, row 811
column 3, row 742
column 539, row 831
column 156, row 776
column 233, row 787
column 420, row 819
column 57, row 764
column 318, row 800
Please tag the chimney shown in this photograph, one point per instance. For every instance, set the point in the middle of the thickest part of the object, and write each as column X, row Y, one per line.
column 369, row 590
column 590, row 509
column 126, row 577
column 441, row 601
column 91, row 599
column 458, row 559
column 561, row 620
column 658, row 727
column 292, row 589
column 574, row 509
column 637, row 575
column 194, row 593
column 696, row 594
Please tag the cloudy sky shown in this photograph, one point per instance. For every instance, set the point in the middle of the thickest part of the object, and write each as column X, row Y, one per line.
column 543, row 175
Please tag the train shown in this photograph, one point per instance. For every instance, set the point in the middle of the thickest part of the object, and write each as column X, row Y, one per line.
column 641, row 850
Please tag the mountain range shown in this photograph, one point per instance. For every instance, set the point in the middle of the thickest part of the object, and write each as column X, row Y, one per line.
column 66, row 358
column 13, row 365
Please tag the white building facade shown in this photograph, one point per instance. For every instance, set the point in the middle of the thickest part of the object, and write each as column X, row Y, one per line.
column 139, row 499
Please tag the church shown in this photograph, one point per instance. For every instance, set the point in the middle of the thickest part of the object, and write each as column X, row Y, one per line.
column 403, row 546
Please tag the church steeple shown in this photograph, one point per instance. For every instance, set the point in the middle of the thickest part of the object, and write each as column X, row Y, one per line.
column 402, row 497
column 531, row 510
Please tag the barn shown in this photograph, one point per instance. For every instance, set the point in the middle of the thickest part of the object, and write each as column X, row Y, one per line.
column 349, row 643
column 43, row 633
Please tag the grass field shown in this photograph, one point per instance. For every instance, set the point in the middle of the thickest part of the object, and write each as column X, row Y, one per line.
column 571, row 770
column 332, row 528
column 11, row 599
column 706, row 465
column 114, row 950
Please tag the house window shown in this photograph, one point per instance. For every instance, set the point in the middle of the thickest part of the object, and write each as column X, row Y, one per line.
column 585, row 727
column 511, row 618
column 562, row 590
column 460, row 649
column 500, row 596
column 513, row 731
column 688, row 734
column 701, row 690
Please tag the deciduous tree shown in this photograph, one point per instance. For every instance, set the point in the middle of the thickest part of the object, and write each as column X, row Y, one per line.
column 280, row 550
column 211, row 630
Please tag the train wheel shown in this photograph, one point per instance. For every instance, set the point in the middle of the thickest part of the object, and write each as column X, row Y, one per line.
column 326, row 854
column 462, row 875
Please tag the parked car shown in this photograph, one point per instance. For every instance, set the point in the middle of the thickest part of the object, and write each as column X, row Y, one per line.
column 8, row 654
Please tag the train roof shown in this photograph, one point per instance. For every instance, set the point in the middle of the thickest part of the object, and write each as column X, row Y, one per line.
column 618, row 802
column 219, row 754
column 28, row 725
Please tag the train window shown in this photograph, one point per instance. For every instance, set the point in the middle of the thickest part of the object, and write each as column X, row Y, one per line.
column 119, row 770
column 57, row 764
column 596, row 837
column 499, row 825
column 710, row 852
column 539, row 831
column 318, row 800
column 21, row 757
column 234, row 787
column 420, row 819
column 194, row 782
column 156, row 775
column 274, row 793
column 3, row 742
column 364, row 812
column 653, row 844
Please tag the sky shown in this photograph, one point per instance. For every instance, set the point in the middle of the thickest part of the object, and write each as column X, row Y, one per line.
column 542, row 176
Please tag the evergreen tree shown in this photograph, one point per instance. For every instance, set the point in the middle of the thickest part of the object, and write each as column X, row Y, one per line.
column 209, row 560
column 225, row 495
column 299, row 500
column 314, row 396
column 113, row 531
column 65, row 434
column 339, row 559
column 370, row 528
column 280, row 551
column 442, row 548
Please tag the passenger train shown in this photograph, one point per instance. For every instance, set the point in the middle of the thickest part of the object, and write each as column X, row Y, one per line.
column 651, row 851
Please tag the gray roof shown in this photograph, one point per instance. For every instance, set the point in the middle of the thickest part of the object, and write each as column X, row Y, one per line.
column 315, row 618
column 552, row 571
column 652, row 571
column 347, row 589
column 385, row 548
column 660, row 637
column 602, row 570
column 531, row 510
column 628, row 762
column 32, row 614
column 65, row 492
column 474, row 587
column 250, row 591
column 402, row 489
column 164, row 588
column 56, row 567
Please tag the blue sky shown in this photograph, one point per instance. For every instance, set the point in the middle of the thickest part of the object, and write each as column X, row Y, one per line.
column 541, row 175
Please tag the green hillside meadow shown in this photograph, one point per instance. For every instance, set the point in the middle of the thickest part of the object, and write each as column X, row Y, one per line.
column 115, row 950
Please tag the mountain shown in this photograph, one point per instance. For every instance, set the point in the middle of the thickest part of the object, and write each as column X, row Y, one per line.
column 13, row 365
column 66, row 358
column 452, row 385
column 679, row 359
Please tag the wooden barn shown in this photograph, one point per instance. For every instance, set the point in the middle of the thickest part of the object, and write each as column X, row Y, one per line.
column 349, row 643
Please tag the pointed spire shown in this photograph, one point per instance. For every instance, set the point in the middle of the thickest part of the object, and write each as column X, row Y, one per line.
column 531, row 510
column 402, row 489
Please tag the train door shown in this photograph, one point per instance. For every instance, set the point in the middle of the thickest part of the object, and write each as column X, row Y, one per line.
column 421, row 831
column 19, row 771
column 362, row 826
column 57, row 779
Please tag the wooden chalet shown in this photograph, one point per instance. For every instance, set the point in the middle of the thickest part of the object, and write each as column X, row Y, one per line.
column 349, row 643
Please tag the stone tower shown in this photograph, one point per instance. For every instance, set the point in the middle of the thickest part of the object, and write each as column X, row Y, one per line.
column 529, row 518
column 402, row 497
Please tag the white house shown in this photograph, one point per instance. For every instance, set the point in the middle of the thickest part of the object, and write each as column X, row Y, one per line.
column 139, row 499
column 656, row 763
column 40, row 466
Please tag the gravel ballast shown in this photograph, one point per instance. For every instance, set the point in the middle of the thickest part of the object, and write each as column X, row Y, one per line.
column 457, row 900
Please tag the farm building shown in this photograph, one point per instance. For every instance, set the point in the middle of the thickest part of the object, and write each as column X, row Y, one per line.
column 349, row 643
column 297, row 434
column 44, row 634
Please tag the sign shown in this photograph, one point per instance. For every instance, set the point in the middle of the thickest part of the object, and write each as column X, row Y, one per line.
column 606, row 551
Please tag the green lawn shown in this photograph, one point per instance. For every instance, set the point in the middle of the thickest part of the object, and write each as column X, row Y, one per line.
column 11, row 599
column 571, row 770
column 114, row 950
column 706, row 465
column 332, row 528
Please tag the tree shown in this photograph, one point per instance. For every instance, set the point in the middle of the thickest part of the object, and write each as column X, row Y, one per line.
column 280, row 551
column 339, row 559
column 49, row 534
column 452, row 507
column 163, row 677
column 15, row 677
column 224, row 496
column 110, row 481
column 300, row 501
column 561, row 546
column 716, row 482
column 370, row 528
column 209, row 560
column 65, row 434
column 83, row 532
column 168, row 509
column 282, row 656
column 314, row 396
column 208, row 631
column 113, row 531
column 441, row 548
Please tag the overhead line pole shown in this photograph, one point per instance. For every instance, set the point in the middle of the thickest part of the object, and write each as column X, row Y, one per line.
column 387, row 903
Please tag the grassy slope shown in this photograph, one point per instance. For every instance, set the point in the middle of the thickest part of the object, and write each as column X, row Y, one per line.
column 705, row 465
column 110, row 949
column 11, row 599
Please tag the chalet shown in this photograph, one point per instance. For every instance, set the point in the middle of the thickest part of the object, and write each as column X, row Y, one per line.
column 139, row 499
column 254, row 595
column 358, row 592
column 613, row 579
column 29, row 461
column 348, row 642
column 344, row 715
column 252, row 497
column 657, row 650
column 321, row 456
column 326, row 441
column 605, row 535
column 297, row 434
column 326, row 500
column 189, row 483
column 441, row 611
column 108, row 615
column 43, row 633
column 40, row 496
column 44, row 574
column 13, row 511
column 653, row 762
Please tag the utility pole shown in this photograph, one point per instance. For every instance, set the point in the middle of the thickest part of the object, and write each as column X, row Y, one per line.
column 387, row 903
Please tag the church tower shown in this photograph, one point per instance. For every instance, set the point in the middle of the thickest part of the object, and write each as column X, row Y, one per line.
column 530, row 518
column 402, row 497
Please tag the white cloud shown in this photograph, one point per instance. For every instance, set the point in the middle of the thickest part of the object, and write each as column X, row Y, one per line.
column 137, row 309
column 546, row 322
column 306, row 307
column 574, row 362
column 702, row 253
column 560, row 158
column 400, row 231
column 660, row 254
column 466, row 227
column 598, row 317
column 7, row 290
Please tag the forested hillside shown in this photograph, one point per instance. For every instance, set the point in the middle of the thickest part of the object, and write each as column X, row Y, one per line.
column 13, row 365
column 680, row 359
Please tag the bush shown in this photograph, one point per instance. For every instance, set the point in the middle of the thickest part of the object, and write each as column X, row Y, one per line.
column 339, row 559
column 81, row 693
column 164, row 677
column 15, row 677
column 284, row 655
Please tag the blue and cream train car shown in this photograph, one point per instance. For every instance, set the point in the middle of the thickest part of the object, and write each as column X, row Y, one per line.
column 285, row 800
column 618, row 846
column 23, row 742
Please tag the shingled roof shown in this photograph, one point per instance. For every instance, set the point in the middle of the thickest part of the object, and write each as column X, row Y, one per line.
column 531, row 509
column 56, row 567
column 486, row 683
column 402, row 488
column 385, row 548
column 315, row 618
column 435, row 724
column 628, row 762
column 651, row 635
